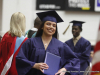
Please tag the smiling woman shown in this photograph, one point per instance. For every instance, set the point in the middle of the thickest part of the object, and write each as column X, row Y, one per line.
column 49, row 28
column 32, row 53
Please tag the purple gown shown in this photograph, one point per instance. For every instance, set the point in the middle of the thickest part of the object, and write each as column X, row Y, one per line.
column 82, row 50
column 33, row 51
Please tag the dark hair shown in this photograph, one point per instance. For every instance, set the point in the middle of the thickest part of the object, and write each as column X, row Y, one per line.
column 0, row 36
column 79, row 28
column 40, row 31
column 37, row 22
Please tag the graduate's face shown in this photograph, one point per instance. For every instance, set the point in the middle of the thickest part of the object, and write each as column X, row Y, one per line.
column 49, row 28
column 76, row 31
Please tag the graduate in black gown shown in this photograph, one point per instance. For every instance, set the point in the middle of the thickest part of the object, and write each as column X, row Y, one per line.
column 30, row 59
column 80, row 46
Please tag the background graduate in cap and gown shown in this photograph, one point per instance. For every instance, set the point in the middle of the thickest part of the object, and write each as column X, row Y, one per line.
column 79, row 45
column 30, row 58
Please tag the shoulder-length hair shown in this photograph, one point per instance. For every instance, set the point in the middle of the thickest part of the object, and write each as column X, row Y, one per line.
column 40, row 31
column 17, row 24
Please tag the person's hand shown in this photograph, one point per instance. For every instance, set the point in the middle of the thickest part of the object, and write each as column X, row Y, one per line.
column 40, row 66
column 91, row 54
column 62, row 71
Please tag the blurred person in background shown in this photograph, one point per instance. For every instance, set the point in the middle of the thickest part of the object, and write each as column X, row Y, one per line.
column 80, row 46
column 32, row 32
column 91, row 55
column 11, row 43
column 0, row 38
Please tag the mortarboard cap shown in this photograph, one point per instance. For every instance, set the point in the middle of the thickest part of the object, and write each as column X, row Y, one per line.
column 49, row 16
column 77, row 23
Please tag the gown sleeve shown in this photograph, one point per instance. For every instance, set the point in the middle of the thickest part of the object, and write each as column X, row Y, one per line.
column 69, row 60
column 84, row 55
column 23, row 62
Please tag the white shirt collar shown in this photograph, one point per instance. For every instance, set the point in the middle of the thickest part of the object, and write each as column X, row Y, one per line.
column 34, row 29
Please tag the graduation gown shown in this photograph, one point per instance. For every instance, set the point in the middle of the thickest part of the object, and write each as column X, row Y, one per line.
column 9, row 48
column 33, row 51
column 19, row 42
column 82, row 50
column 6, row 50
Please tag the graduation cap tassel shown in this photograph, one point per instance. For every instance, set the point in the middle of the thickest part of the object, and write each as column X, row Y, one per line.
column 66, row 30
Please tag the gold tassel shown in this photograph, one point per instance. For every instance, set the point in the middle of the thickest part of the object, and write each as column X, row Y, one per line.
column 66, row 30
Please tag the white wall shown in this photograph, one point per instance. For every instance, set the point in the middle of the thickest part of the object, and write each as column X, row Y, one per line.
column 11, row 6
column 90, row 28
column 27, row 7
